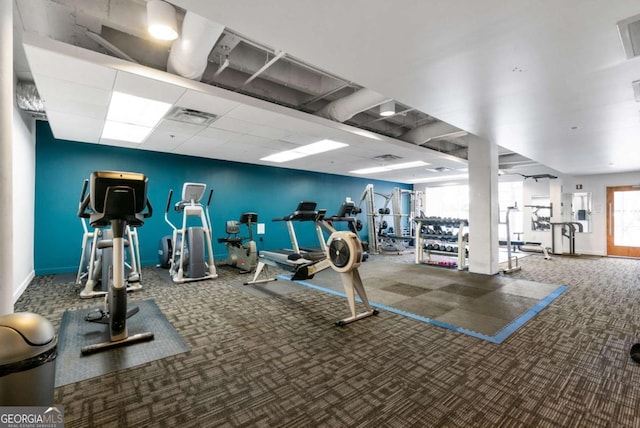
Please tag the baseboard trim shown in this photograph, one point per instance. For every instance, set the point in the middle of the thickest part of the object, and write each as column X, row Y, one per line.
column 23, row 286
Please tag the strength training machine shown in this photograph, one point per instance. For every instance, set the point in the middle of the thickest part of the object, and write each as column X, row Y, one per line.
column 189, row 252
column 117, row 199
column 241, row 254
column 96, row 252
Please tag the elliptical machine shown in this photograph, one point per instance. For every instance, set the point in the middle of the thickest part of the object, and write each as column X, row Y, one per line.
column 117, row 199
column 189, row 252
column 241, row 255
column 96, row 252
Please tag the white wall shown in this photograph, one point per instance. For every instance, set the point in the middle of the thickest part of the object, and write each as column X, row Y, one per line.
column 24, row 162
column 596, row 242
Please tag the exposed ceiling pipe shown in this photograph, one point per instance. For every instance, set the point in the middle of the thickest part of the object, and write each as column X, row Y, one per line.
column 345, row 108
column 432, row 131
column 263, row 68
column 220, row 69
column 190, row 52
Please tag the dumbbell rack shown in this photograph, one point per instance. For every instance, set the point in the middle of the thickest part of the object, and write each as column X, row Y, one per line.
column 447, row 241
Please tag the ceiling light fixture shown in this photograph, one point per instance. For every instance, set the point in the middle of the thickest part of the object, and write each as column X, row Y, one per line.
column 445, row 178
column 161, row 20
column 303, row 151
column 388, row 108
column 385, row 168
column 131, row 118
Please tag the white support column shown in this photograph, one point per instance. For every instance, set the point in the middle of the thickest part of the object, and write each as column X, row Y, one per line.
column 483, row 206
column 6, row 157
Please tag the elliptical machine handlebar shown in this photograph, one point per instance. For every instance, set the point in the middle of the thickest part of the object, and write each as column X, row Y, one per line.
column 210, row 196
column 166, row 211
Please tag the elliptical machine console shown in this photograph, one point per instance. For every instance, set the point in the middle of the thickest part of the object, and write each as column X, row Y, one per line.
column 189, row 252
column 243, row 255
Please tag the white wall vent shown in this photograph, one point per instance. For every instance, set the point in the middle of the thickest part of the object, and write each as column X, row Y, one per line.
column 629, row 30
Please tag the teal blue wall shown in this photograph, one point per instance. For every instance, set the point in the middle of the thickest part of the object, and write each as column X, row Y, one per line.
column 61, row 167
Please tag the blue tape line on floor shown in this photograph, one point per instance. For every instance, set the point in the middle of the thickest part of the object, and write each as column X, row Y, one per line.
column 500, row 337
column 520, row 321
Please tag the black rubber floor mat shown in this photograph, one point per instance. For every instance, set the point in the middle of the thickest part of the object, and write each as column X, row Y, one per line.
column 75, row 333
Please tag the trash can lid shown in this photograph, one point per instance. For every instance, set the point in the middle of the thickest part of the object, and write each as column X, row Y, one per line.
column 35, row 329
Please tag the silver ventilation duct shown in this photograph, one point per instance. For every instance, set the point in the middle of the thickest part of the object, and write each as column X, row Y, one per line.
column 190, row 52
column 28, row 99
column 345, row 108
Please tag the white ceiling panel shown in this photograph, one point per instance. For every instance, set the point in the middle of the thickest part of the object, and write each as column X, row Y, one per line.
column 218, row 134
column 255, row 115
column 66, row 126
column 71, row 97
column 205, row 102
column 147, row 88
column 200, row 146
column 269, row 132
column 118, row 143
column 65, row 66
column 235, row 125
column 179, row 127
column 301, row 139
column 250, row 141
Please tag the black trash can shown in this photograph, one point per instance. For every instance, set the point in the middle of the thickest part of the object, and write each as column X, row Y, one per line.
column 28, row 350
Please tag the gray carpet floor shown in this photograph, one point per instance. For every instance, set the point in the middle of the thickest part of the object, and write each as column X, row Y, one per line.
column 278, row 361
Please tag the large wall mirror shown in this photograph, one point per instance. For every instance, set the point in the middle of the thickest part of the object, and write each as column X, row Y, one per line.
column 540, row 213
column 581, row 210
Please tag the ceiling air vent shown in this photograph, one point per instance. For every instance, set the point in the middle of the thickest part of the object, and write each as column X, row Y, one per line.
column 439, row 169
column 387, row 158
column 187, row 115
column 629, row 30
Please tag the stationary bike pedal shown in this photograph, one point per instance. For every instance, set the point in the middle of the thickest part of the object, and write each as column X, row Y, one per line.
column 97, row 315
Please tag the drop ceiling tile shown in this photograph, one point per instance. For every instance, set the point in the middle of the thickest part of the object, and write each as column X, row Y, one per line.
column 147, row 88
column 218, row 134
column 235, row 125
column 269, row 132
column 118, row 143
column 200, row 146
column 162, row 142
column 68, row 97
column 67, row 67
column 66, row 126
column 206, row 102
column 179, row 127
column 301, row 139
column 255, row 115
column 251, row 140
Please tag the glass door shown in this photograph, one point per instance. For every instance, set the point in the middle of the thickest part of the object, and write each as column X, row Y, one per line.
column 623, row 221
